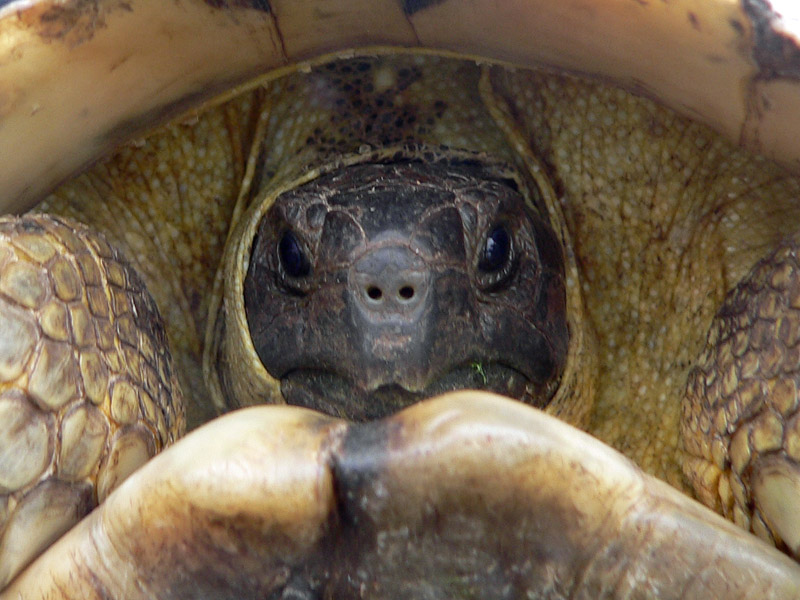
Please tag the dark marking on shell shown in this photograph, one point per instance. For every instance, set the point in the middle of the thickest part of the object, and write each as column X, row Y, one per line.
column 392, row 538
column 693, row 20
column 359, row 464
column 412, row 6
column 776, row 51
column 72, row 23
column 262, row 5
column 737, row 27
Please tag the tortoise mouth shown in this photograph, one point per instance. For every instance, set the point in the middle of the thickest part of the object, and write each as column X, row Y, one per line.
column 339, row 396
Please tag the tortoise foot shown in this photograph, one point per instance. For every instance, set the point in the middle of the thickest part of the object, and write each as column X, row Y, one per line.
column 86, row 389
column 740, row 421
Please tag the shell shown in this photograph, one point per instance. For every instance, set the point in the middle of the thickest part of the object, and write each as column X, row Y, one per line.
column 731, row 65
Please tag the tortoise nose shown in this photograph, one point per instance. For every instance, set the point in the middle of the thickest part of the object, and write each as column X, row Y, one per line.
column 390, row 281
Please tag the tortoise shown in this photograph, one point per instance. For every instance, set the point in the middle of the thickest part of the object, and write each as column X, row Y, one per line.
column 472, row 494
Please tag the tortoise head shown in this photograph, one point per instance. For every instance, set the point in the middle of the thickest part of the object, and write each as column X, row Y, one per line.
column 378, row 285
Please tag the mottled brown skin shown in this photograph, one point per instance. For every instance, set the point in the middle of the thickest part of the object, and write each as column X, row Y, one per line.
column 659, row 218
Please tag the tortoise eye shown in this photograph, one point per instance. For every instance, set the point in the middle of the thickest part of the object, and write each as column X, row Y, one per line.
column 496, row 250
column 496, row 259
column 293, row 259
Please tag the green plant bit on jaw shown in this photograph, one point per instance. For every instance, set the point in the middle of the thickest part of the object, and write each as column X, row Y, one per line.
column 478, row 368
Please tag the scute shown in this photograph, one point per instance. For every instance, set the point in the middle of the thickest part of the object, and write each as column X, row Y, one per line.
column 17, row 342
column 26, row 446
column 40, row 517
column 129, row 449
column 83, row 435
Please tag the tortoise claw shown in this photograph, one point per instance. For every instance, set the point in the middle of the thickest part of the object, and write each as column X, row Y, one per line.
column 776, row 488
column 468, row 495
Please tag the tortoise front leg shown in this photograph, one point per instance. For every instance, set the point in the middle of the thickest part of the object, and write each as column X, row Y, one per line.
column 87, row 392
column 740, row 422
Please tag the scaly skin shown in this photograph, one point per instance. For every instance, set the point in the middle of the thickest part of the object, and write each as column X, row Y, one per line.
column 87, row 388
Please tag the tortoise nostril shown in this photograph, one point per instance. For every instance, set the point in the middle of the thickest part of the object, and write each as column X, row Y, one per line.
column 407, row 292
column 389, row 282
